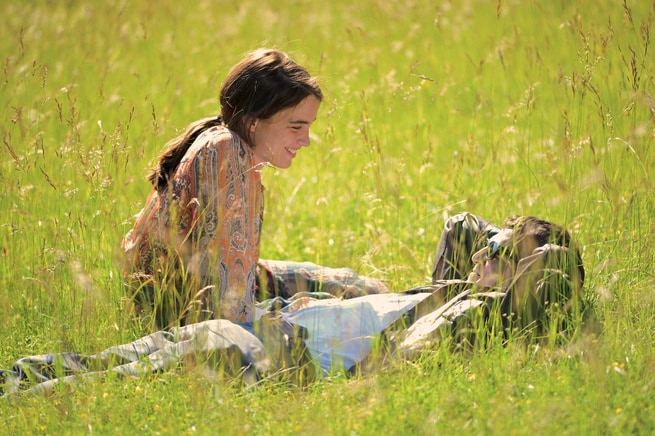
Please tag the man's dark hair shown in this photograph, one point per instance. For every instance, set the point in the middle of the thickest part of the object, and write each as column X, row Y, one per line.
column 546, row 232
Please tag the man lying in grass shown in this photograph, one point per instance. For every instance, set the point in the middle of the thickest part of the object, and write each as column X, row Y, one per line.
column 522, row 280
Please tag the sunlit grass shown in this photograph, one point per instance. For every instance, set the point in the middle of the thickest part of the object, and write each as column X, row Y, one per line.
column 499, row 108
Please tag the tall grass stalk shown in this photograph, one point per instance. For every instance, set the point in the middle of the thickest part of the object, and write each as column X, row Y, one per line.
column 500, row 108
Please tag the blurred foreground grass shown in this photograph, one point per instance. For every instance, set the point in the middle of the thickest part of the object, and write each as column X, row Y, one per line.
column 500, row 108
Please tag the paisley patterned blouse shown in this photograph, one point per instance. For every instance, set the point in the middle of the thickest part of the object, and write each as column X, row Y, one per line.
column 207, row 223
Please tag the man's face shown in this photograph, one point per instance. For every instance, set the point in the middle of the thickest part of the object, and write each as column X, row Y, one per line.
column 493, row 264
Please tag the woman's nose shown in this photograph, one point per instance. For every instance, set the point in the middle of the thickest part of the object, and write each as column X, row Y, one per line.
column 304, row 140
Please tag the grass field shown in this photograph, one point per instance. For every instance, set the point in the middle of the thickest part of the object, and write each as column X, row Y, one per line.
column 498, row 107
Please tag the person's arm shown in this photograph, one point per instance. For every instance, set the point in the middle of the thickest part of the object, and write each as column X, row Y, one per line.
column 546, row 291
column 463, row 235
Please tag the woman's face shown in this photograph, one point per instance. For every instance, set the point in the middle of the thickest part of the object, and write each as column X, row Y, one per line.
column 278, row 139
column 493, row 265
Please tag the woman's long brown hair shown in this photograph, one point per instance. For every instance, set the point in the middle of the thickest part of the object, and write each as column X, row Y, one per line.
column 176, row 148
column 265, row 82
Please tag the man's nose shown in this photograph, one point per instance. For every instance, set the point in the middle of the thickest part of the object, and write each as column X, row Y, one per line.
column 479, row 256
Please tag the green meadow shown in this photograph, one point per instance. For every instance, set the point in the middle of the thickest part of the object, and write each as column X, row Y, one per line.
column 500, row 108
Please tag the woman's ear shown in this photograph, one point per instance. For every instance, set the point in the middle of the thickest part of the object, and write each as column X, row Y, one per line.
column 252, row 124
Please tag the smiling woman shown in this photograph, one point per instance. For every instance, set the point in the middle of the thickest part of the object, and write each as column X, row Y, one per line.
column 193, row 251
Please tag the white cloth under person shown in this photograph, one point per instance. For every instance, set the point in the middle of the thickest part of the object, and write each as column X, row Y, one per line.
column 341, row 333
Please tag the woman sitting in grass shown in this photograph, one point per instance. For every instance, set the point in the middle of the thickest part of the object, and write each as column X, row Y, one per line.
column 194, row 248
